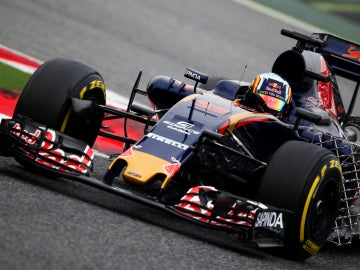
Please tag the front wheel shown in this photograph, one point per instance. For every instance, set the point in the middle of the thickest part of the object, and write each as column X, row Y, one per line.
column 46, row 97
column 305, row 179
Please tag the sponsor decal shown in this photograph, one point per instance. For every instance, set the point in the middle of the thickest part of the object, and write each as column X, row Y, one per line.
column 172, row 168
column 134, row 174
column 129, row 152
column 311, row 247
column 274, row 85
column 95, row 84
column 352, row 53
column 272, row 92
column 335, row 164
column 182, row 127
column 192, row 75
column 167, row 141
column 272, row 220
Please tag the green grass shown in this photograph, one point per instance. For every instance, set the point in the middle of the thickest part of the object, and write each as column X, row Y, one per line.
column 11, row 78
column 337, row 7
column 351, row 6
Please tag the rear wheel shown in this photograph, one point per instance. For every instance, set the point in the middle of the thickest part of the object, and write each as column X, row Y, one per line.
column 47, row 95
column 305, row 179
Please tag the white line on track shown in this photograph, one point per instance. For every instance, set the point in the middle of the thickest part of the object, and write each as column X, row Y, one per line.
column 18, row 66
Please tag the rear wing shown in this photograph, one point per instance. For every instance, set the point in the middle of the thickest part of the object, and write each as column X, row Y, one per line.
column 343, row 56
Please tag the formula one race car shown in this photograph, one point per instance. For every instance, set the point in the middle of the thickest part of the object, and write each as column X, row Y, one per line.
column 211, row 152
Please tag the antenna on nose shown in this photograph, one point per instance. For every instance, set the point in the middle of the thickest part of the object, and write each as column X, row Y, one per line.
column 242, row 75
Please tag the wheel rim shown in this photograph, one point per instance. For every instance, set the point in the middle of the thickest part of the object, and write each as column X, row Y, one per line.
column 323, row 209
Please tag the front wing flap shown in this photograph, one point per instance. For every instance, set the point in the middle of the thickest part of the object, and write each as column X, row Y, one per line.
column 44, row 147
column 255, row 222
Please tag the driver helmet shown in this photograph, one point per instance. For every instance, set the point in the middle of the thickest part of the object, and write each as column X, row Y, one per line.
column 274, row 91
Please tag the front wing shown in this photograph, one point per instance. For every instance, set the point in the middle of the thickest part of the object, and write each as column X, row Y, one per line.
column 255, row 223
column 43, row 147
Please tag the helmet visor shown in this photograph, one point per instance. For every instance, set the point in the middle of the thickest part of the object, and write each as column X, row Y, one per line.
column 273, row 103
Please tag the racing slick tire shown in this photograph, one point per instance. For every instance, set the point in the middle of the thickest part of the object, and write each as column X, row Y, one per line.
column 305, row 179
column 46, row 98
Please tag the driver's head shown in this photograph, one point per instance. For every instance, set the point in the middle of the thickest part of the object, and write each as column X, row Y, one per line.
column 274, row 91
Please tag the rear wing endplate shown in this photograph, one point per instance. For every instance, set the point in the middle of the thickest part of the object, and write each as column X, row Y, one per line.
column 342, row 55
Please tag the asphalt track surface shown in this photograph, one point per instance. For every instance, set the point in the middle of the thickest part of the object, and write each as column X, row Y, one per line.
column 60, row 224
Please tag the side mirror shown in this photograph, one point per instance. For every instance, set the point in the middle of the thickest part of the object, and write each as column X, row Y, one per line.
column 197, row 76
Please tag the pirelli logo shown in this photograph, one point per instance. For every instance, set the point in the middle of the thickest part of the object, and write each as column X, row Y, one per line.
column 167, row 141
column 311, row 247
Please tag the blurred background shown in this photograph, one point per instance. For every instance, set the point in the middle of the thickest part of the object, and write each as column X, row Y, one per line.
column 347, row 9
column 340, row 17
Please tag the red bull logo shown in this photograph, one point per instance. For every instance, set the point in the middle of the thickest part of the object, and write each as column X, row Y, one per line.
column 172, row 168
column 352, row 53
column 128, row 153
column 275, row 85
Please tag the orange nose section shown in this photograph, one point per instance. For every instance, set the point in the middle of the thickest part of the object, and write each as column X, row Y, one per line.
column 142, row 167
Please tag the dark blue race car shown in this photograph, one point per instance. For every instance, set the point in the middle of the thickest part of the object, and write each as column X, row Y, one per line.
column 213, row 152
